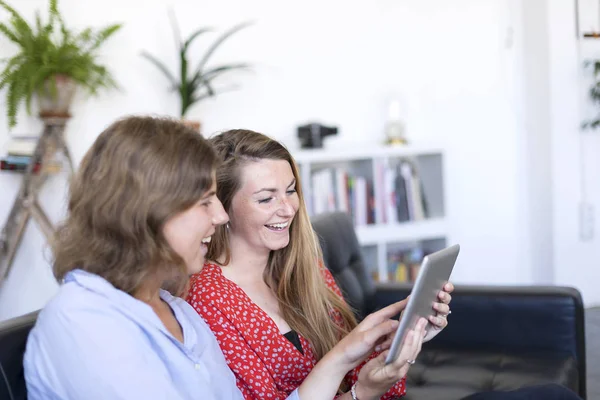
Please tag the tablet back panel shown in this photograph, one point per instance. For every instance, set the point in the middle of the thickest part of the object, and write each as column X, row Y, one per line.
column 434, row 273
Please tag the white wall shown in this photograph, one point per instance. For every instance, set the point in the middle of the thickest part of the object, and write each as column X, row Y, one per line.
column 576, row 165
column 455, row 64
column 532, row 107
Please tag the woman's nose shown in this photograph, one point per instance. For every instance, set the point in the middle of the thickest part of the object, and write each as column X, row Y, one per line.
column 285, row 208
column 220, row 217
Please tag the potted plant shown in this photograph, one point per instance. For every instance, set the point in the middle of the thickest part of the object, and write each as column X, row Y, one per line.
column 195, row 84
column 52, row 61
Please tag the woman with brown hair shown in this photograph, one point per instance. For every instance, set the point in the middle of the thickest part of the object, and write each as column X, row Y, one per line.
column 141, row 211
column 274, row 308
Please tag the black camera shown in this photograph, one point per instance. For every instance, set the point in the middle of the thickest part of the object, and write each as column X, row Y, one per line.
column 311, row 135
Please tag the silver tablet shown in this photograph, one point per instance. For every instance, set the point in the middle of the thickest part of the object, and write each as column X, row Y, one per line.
column 434, row 273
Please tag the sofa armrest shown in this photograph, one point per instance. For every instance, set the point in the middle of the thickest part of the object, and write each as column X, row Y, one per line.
column 511, row 319
column 13, row 340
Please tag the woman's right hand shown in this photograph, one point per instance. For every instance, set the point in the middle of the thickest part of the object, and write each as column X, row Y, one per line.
column 374, row 329
column 376, row 378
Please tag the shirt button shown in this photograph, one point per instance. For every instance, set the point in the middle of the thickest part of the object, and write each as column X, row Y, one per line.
column 197, row 366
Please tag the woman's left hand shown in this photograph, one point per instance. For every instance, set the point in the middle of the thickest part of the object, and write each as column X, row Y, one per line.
column 442, row 308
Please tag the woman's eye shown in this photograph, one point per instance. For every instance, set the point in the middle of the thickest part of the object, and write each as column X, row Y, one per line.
column 262, row 201
column 291, row 191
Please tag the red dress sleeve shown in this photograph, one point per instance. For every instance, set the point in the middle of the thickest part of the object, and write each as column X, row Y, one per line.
column 399, row 388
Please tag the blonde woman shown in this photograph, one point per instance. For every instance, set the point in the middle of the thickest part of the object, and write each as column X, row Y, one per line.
column 274, row 308
column 141, row 209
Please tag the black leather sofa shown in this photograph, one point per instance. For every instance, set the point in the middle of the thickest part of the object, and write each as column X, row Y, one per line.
column 498, row 338
column 13, row 338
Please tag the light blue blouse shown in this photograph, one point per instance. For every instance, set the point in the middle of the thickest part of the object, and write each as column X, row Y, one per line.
column 93, row 341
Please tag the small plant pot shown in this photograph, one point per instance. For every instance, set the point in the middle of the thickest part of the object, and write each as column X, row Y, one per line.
column 192, row 124
column 56, row 101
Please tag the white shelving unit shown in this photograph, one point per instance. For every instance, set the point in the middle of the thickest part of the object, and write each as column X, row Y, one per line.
column 380, row 236
column 403, row 232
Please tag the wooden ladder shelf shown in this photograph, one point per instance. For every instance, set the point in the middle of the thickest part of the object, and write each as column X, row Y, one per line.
column 26, row 204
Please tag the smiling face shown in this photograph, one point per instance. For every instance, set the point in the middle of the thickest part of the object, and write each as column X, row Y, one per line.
column 189, row 231
column 263, row 208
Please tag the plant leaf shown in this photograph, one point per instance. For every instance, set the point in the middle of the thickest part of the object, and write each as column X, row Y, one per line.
column 104, row 34
column 216, row 71
column 158, row 64
column 9, row 34
column 214, row 93
column 193, row 36
column 12, row 11
column 596, row 67
column 175, row 27
column 217, row 43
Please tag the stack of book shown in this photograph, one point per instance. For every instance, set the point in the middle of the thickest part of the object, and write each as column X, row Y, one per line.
column 401, row 192
column 395, row 194
column 334, row 189
column 404, row 265
column 20, row 153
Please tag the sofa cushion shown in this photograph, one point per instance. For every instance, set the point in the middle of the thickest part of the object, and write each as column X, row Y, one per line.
column 454, row 374
column 512, row 320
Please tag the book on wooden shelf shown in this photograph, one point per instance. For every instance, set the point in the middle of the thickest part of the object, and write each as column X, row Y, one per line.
column 20, row 164
column 394, row 195
column 401, row 193
column 335, row 189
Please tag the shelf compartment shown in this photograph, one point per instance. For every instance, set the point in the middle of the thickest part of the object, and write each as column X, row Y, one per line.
column 402, row 232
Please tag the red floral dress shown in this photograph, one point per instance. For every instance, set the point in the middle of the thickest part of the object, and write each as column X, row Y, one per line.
column 266, row 364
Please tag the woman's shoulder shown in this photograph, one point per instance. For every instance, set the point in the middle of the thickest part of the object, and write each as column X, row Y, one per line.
column 326, row 273
column 329, row 279
column 87, row 315
column 73, row 299
column 208, row 279
column 208, row 286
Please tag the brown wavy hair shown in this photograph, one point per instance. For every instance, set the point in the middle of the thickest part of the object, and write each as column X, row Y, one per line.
column 139, row 173
column 293, row 272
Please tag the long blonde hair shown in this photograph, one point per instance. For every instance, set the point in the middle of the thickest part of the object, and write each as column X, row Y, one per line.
column 293, row 272
column 139, row 172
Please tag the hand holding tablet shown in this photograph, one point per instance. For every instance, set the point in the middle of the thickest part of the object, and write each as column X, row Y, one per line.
column 439, row 320
column 435, row 272
column 376, row 377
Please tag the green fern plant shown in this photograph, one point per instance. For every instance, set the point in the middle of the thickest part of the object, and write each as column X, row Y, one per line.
column 47, row 51
column 196, row 84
